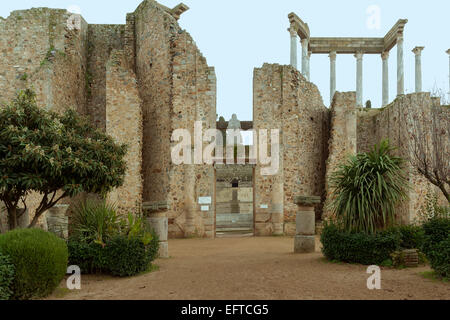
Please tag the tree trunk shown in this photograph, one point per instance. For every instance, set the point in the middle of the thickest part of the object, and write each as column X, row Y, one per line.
column 12, row 218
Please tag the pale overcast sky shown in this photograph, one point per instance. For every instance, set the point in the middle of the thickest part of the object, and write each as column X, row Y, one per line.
column 236, row 36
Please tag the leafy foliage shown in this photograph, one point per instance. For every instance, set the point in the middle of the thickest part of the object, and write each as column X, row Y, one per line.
column 40, row 261
column 437, row 245
column 439, row 258
column 412, row 237
column 358, row 247
column 367, row 188
column 6, row 277
column 94, row 221
column 55, row 155
column 103, row 242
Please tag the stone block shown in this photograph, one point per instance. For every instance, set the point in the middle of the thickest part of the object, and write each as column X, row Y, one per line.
column 160, row 225
column 306, row 223
column 304, row 244
column 163, row 250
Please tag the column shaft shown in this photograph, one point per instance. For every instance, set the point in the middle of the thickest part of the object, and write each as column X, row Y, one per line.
column 359, row 79
column 400, row 67
column 448, row 52
column 418, row 53
column 293, row 47
column 304, row 56
column 385, row 58
column 332, row 75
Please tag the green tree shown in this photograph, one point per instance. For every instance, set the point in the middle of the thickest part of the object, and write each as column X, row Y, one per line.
column 55, row 155
column 367, row 188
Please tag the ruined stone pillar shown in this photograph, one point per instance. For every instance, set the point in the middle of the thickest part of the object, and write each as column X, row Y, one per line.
column 305, row 238
column 58, row 221
column 400, row 67
column 359, row 79
column 332, row 75
column 156, row 217
column 304, row 56
column 189, row 200
column 418, row 52
column 293, row 33
column 385, row 58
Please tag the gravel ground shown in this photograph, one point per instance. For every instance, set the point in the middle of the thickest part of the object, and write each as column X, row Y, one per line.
column 255, row 268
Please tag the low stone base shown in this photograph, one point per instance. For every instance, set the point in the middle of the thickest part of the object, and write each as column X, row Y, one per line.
column 163, row 250
column 304, row 244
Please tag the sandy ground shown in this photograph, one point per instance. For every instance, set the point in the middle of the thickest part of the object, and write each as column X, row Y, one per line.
column 255, row 268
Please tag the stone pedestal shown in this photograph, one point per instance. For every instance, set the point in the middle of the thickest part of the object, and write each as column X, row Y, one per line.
column 58, row 221
column 158, row 221
column 305, row 238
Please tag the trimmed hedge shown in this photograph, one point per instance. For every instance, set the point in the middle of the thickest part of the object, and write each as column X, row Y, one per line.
column 359, row 247
column 437, row 245
column 40, row 261
column 122, row 256
column 412, row 237
column 6, row 277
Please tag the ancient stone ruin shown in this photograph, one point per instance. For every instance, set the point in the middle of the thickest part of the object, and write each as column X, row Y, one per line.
column 141, row 81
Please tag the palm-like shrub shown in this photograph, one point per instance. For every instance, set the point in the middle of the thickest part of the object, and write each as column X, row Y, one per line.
column 367, row 189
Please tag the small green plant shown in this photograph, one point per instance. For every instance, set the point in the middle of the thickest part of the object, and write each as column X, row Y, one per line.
column 40, row 261
column 358, row 247
column 94, row 221
column 6, row 277
column 366, row 190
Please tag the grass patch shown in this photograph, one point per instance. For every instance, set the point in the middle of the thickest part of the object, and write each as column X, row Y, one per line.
column 61, row 292
column 150, row 269
column 431, row 275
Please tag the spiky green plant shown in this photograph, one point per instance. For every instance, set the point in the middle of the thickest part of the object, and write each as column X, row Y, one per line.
column 367, row 188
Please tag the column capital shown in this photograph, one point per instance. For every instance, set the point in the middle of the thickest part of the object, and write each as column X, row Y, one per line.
column 400, row 37
column 332, row 55
column 292, row 31
column 385, row 55
column 359, row 55
column 418, row 50
column 304, row 41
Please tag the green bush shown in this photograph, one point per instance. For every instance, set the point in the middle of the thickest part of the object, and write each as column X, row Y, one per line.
column 360, row 248
column 436, row 230
column 88, row 256
column 6, row 277
column 127, row 256
column 94, row 221
column 412, row 237
column 439, row 258
column 367, row 188
column 40, row 261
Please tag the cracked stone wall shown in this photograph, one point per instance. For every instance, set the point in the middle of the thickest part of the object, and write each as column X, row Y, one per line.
column 285, row 100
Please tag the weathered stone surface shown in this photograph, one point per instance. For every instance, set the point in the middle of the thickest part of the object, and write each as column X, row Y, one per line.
column 58, row 221
column 304, row 244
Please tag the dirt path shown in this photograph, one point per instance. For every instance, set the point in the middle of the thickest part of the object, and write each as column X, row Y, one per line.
column 256, row 268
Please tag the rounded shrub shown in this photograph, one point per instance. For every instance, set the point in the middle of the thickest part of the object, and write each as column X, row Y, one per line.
column 439, row 258
column 6, row 277
column 436, row 230
column 40, row 261
column 88, row 256
column 359, row 247
column 128, row 256
column 412, row 237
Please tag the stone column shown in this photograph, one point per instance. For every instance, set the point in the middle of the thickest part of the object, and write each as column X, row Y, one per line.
column 304, row 56
column 308, row 66
column 359, row 79
column 156, row 217
column 190, row 202
column 400, row 67
column 305, row 238
column 332, row 75
column 293, row 33
column 58, row 221
column 418, row 52
column 385, row 58
column 448, row 52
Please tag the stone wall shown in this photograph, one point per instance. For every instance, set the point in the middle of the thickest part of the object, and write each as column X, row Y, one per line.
column 285, row 100
column 177, row 88
column 343, row 137
column 124, row 124
column 395, row 122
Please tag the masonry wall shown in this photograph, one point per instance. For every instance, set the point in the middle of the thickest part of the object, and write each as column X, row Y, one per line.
column 395, row 122
column 38, row 50
column 177, row 87
column 124, row 124
column 284, row 100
